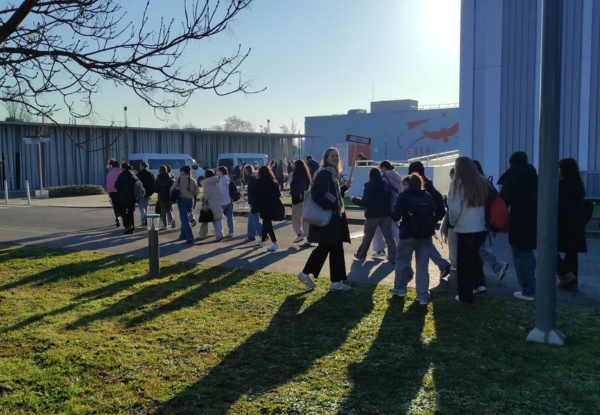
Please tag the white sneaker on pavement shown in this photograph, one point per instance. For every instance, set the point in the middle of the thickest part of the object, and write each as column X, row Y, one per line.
column 339, row 286
column 261, row 244
column 479, row 290
column 305, row 279
column 298, row 238
column 520, row 296
column 378, row 254
column 273, row 247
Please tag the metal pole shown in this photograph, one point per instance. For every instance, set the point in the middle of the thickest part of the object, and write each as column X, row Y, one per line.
column 6, row 191
column 545, row 308
column 27, row 191
column 40, row 161
column 153, row 248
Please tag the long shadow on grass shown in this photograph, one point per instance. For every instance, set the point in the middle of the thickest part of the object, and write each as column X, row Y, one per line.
column 202, row 284
column 391, row 375
column 286, row 349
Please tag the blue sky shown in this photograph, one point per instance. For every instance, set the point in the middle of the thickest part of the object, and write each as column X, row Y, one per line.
column 317, row 57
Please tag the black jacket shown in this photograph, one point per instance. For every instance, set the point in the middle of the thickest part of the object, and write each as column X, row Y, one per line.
column 438, row 200
column 571, row 222
column 162, row 186
column 252, row 197
column 147, row 180
column 313, row 166
column 125, row 185
column 337, row 231
column 298, row 186
column 376, row 199
column 400, row 212
column 268, row 196
column 519, row 192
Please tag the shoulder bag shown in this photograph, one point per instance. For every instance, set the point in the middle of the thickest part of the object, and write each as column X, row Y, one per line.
column 313, row 214
column 206, row 215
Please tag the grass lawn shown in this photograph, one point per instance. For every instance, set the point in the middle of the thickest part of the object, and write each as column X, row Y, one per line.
column 85, row 332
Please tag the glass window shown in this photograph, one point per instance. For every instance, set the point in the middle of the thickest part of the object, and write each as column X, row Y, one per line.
column 261, row 161
column 175, row 164
column 225, row 162
column 135, row 164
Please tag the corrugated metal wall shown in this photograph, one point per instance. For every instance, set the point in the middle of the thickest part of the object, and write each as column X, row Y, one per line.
column 64, row 163
column 594, row 118
column 517, row 118
column 571, row 78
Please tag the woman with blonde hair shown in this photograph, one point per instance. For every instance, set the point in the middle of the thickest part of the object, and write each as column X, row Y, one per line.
column 467, row 196
column 327, row 192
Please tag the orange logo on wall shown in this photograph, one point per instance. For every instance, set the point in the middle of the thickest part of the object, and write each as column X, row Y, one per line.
column 444, row 133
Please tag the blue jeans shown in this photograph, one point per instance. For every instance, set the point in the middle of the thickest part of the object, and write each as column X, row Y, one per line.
column 185, row 207
column 143, row 203
column 489, row 258
column 525, row 265
column 254, row 226
column 228, row 213
column 404, row 272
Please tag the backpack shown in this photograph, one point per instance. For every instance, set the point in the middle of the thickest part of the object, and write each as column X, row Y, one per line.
column 138, row 189
column 497, row 217
column 438, row 201
column 234, row 193
column 422, row 216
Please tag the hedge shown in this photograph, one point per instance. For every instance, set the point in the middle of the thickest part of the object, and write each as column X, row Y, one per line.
column 69, row 191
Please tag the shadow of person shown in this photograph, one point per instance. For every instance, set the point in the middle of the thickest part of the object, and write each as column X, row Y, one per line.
column 287, row 348
column 391, row 375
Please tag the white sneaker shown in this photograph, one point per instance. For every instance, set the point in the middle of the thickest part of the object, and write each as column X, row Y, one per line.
column 339, row 286
column 261, row 244
column 378, row 254
column 273, row 247
column 479, row 290
column 305, row 279
column 298, row 238
column 520, row 296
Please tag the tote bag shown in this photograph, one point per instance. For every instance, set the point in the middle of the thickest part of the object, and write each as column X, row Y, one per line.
column 314, row 214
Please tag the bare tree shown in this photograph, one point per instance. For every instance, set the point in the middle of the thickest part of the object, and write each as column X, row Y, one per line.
column 289, row 130
column 17, row 111
column 65, row 48
column 234, row 123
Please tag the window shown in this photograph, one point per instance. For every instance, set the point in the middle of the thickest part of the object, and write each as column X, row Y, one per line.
column 261, row 161
column 225, row 162
column 135, row 164
column 175, row 164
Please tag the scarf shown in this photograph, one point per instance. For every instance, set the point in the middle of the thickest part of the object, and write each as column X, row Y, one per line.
column 338, row 192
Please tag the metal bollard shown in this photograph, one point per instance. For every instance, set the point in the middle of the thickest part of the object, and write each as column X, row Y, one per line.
column 153, row 249
column 6, row 191
column 27, row 191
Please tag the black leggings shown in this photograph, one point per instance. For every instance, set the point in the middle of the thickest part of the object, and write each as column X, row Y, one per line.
column 268, row 229
column 114, row 198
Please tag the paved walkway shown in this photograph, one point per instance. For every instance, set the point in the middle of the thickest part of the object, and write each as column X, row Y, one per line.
column 238, row 253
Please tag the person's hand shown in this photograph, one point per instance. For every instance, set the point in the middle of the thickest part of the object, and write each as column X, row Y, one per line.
column 348, row 183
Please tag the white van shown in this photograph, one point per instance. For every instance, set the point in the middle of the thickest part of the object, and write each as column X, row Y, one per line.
column 176, row 161
column 230, row 160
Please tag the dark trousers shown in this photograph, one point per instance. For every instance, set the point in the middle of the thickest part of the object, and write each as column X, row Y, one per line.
column 281, row 182
column 116, row 205
column 337, row 263
column 570, row 263
column 469, row 272
column 268, row 229
column 127, row 211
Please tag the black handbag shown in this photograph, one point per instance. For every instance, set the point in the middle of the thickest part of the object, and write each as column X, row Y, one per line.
column 174, row 197
column 279, row 215
column 206, row 215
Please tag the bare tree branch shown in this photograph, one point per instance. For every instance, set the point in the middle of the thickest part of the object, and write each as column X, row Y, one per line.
column 67, row 48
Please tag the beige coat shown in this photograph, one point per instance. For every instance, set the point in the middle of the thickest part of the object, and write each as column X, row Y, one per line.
column 212, row 196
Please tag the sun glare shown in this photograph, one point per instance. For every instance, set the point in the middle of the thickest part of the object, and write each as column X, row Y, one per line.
column 442, row 20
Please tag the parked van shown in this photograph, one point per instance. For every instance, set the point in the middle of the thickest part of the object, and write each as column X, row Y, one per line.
column 230, row 160
column 176, row 161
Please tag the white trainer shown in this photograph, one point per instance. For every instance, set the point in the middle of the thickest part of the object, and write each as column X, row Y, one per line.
column 305, row 279
column 378, row 254
column 339, row 286
column 298, row 238
column 273, row 247
column 479, row 290
column 261, row 244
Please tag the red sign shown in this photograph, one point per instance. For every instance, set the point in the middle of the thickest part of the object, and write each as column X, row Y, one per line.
column 409, row 152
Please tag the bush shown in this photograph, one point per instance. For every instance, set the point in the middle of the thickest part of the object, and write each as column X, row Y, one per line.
column 69, row 191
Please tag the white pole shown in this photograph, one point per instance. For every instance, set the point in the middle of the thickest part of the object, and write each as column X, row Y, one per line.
column 40, row 160
column 27, row 191
column 6, row 191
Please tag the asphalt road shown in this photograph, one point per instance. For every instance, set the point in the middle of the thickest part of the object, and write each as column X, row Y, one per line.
column 94, row 229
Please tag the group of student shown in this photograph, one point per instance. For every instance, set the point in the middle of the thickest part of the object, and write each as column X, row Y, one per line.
column 400, row 214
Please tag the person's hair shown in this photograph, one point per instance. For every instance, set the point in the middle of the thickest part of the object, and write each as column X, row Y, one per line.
column 309, row 157
column 415, row 181
column 223, row 170
column 113, row 163
column 473, row 185
column 248, row 170
column 265, row 174
column 169, row 169
column 144, row 164
column 187, row 170
column 518, row 157
column 416, row 167
column 162, row 169
column 301, row 170
column 374, row 174
column 569, row 170
column 406, row 180
column 324, row 161
column 478, row 167
column 290, row 163
column 126, row 166
column 209, row 173
column 385, row 164
column 452, row 171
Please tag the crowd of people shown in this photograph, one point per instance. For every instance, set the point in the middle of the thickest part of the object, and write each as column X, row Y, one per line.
column 401, row 216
